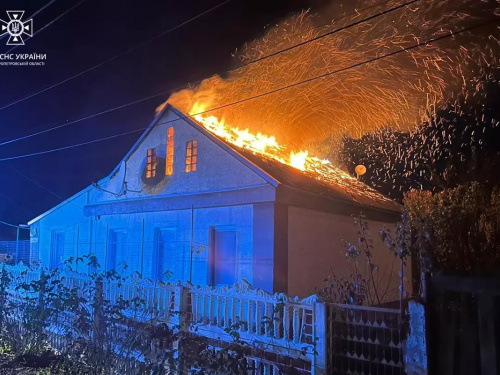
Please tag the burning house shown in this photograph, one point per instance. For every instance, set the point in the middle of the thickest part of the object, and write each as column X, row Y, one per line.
column 195, row 200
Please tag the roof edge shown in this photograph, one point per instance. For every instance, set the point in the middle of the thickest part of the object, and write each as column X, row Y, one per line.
column 136, row 145
column 56, row 207
column 396, row 213
column 108, row 177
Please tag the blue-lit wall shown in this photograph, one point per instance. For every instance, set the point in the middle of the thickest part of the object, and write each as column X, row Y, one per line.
column 286, row 240
column 220, row 195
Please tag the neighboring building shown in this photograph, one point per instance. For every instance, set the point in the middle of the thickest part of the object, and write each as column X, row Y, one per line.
column 8, row 251
column 182, row 199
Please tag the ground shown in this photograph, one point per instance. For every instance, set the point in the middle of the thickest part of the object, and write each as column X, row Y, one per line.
column 10, row 365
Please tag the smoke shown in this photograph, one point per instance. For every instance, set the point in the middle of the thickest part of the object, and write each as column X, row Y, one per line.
column 397, row 92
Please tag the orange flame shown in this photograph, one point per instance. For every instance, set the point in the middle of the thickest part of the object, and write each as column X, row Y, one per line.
column 298, row 160
column 259, row 143
column 267, row 146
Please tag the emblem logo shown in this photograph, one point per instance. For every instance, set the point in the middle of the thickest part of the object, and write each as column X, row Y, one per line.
column 15, row 27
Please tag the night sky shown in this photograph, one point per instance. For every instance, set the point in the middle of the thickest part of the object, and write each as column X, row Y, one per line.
column 89, row 34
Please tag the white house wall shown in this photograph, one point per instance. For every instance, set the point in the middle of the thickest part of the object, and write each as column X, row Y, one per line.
column 217, row 170
column 280, row 247
column 69, row 219
column 140, row 243
column 93, row 236
column 214, row 193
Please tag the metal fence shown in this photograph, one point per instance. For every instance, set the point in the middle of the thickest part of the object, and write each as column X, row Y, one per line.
column 463, row 317
column 364, row 340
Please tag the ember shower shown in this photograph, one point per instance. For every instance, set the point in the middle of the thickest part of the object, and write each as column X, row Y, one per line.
column 396, row 92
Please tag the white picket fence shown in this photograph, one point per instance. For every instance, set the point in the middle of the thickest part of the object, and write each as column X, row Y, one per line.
column 275, row 325
column 311, row 336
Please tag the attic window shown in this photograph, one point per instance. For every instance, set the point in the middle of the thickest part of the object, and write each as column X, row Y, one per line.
column 169, row 168
column 151, row 163
column 191, row 155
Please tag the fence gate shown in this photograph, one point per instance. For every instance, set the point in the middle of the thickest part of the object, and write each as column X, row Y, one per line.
column 363, row 340
column 463, row 320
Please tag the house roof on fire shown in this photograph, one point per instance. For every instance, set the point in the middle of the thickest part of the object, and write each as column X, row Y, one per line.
column 338, row 185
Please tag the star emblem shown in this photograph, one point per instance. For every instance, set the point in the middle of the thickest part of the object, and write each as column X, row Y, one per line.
column 15, row 27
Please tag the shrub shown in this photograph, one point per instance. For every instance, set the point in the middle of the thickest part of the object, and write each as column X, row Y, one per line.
column 458, row 229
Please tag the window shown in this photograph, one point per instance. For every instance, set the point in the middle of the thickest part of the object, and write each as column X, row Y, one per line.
column 191, row 155
column 169, row 169
column 223, row 257
column 168, row 258
column 116, row 250
column 151, row 163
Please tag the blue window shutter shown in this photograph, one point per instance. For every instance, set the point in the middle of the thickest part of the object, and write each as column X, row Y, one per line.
column 225, row 254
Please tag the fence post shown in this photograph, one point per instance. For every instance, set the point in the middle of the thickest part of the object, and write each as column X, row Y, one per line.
column 415, row 358
column 4, row 280
column 99, row 324
column 180, row 304
column 319, row 362
column 180, row 307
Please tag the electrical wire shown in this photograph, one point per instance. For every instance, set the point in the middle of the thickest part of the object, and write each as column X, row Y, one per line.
column 25, row 209
column 85, row 118
column 369, row 61
column 50, row 23
column 75, row 145
column 220, row 74
column 114, row 57
column 42, row 186
column 12, row 225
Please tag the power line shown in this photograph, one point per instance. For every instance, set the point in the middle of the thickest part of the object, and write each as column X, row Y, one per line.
column 51, row 22
column 85, row 118
column 12, row 225
column 43, row 8
column 75, row 145
column 16, row 203
column 220, row 73
column 369, row 61
column 328, row 33
column 42, row 186
column 114, row 57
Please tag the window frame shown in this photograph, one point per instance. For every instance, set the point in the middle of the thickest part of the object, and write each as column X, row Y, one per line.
column 169, row 163
column 151, row 163
column 191, row 160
